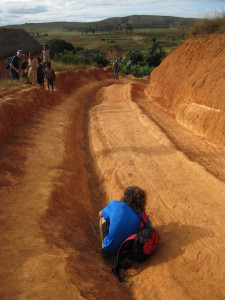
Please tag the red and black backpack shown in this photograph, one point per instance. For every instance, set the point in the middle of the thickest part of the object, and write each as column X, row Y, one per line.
column 137, row 247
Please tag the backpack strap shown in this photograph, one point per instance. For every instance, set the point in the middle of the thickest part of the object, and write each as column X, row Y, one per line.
column 144, row 220
column 120, row 254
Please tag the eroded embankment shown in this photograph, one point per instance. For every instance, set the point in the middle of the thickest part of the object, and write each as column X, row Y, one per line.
column 189, row 84
column 50, row 198
column 194, row 147
column 18, row 105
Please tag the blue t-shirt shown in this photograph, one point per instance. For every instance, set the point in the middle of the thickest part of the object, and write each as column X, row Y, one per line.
column 123, row 223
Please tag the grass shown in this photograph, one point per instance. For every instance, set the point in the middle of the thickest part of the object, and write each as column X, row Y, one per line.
column 7, row 83
column 209, row 25
column 141, row 39
column 58, row 66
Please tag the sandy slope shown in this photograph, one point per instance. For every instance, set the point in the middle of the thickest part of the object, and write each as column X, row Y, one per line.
column 65, row 155
column 189, row 84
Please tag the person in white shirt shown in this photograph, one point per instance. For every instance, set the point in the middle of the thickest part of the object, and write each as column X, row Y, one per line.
column 45, row 56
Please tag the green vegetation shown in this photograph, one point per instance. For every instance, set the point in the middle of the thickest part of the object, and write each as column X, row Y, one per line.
column 136, row 70
column 155, row 54
column 58, row 46
column 84, row 44
column 116, row 24
column 130, row 33
column 140, row 39
column 209, row 25
column 70, row 58
column 64, row 52
column 101, row 61
column 144, row 63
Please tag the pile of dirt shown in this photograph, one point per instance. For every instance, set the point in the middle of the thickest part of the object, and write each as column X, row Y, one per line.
column 189, row 84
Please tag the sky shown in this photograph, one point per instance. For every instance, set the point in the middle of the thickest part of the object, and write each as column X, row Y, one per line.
column 36, row 11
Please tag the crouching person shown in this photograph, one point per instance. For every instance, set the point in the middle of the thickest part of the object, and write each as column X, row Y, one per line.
column 121, row 219
column 15, row 65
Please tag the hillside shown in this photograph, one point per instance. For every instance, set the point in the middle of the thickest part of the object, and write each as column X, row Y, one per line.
column 136, row 21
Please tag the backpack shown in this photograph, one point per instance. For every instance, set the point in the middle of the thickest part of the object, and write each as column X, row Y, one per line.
column 137, row 247
column 50, row 74
column 115, row 64
column 8, row 62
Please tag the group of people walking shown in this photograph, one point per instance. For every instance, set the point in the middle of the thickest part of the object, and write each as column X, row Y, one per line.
column 36, row 69
column 116, row 68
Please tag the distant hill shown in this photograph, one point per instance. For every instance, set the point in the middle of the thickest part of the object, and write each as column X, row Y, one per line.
column 136, row 21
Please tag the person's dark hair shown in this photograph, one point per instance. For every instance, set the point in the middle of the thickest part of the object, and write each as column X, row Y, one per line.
column 48, row 65
column 135, row 197
column 39, row 60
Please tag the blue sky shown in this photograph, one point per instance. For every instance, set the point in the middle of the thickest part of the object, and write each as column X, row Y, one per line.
column 27, row 11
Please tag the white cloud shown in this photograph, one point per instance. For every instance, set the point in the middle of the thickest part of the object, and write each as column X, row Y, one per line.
column 28, row 10
column 14, row 12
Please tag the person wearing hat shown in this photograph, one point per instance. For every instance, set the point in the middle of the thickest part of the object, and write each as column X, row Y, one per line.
column 15, row 65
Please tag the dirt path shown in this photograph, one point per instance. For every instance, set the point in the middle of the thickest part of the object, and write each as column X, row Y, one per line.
column 61, row 166
column 186, row 203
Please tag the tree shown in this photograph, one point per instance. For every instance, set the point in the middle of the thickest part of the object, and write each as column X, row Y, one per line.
column 155, row 54
column 101, row 61
column 59, row 46
column 129, row 28
column 136, row 57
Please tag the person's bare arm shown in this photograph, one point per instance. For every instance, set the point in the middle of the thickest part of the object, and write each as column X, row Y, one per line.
column 101, row 221
column 14, row 68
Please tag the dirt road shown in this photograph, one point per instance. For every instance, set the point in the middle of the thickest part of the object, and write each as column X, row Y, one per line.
column 75, row 152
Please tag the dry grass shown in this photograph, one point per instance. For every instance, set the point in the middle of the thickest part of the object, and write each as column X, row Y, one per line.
column 209, row 25
column 7, row 83
column 58, row 66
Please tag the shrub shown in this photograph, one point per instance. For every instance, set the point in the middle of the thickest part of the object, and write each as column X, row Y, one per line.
column 101, row 61
column 123, row 64
column 84, row 60
column 78, row 49
column 58, row 46
column 141, row 71
column 71, row 58
column 209, row 26
column 136, row 57
column 155, row 55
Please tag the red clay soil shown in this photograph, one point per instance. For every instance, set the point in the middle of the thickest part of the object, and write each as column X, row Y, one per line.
column 64, row 155
column 189, row 84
